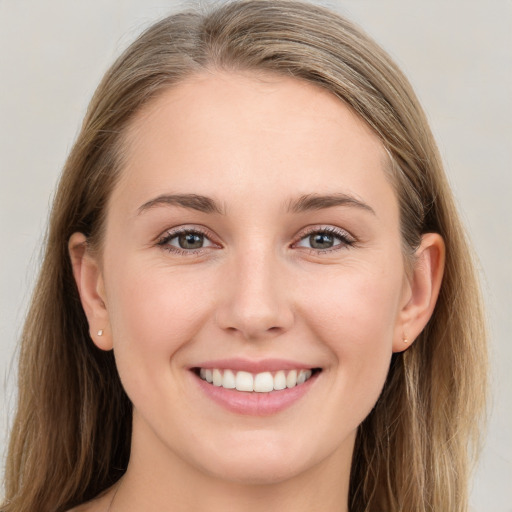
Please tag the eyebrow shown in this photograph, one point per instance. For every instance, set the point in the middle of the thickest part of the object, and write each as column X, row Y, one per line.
column 192, row 201
column 310, row 202
column 307, row 202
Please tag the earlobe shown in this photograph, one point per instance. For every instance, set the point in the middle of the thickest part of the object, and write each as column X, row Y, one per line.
column 423, row 290
column 89, row 281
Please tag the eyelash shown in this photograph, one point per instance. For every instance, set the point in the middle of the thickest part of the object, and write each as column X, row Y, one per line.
column 163, row 242
column 346, row 240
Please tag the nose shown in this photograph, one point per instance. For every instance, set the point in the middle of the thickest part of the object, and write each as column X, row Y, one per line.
column 256, row 300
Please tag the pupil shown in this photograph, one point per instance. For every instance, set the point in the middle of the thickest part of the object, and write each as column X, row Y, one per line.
column 190, row 241
column 321, row 241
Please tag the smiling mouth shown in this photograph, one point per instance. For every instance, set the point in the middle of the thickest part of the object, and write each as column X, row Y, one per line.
column 264, row 382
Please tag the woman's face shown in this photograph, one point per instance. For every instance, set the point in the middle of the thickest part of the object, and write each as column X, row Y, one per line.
column 254, row 233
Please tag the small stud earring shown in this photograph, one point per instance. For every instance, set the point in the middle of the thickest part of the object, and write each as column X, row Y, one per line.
column 405, row 340
column 100, row 332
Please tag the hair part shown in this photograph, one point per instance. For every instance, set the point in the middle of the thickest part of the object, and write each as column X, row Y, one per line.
column 71, row 436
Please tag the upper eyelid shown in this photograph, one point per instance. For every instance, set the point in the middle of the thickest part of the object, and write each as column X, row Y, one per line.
column 324, row 228
column 303, row 233
column 163, row 240
column 172, row 232
column 346, row 238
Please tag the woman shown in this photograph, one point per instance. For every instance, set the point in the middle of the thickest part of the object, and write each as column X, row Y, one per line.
column 252, row 285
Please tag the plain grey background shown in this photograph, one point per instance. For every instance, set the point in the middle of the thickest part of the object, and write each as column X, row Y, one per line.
column 457, row 53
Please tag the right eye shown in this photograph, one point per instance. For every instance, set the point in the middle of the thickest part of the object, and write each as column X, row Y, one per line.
column 185, row 241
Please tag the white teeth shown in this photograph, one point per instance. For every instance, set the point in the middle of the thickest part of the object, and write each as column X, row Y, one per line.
column 291, row 379
column 217, row 378
column 280, row 380
column 244, row 381
column 228, row 381
column 263, row 382
column 303, row 376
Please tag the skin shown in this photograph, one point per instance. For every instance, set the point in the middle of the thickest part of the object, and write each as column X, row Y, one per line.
column 254, row 144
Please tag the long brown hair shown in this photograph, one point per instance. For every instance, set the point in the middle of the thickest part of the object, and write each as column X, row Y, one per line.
column 71, row 435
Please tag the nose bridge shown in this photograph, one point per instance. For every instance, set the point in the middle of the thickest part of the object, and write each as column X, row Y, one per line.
column 255, row 302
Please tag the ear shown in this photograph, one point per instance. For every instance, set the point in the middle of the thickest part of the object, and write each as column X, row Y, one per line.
column 421, row 290
column 89, row 281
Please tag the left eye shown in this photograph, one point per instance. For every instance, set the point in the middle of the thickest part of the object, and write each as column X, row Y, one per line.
column 322, row 240
column 187, row 240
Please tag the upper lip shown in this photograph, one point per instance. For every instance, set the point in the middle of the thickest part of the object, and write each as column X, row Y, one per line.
column 252, row 366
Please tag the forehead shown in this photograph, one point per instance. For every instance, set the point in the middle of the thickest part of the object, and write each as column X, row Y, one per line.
column 240, row 132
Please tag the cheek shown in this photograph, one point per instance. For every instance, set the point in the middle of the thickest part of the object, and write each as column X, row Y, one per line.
column 153, row 314
column 361, row 306
column 355, row 319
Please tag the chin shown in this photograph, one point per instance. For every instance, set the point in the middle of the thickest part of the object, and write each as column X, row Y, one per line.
column 261, row 472
column 263, row 463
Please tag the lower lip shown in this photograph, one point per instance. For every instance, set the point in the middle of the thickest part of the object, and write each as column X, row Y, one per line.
column 252, row 403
